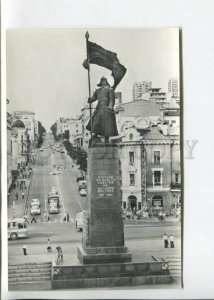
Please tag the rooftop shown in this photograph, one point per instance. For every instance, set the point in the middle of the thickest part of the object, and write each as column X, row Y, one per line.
column 154, row 134
column 139, row 108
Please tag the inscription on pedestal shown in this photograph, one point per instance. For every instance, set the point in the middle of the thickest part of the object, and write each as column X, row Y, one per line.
column 105, row 185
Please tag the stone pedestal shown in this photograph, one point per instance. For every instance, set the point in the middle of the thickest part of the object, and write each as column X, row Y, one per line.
column 103, row 233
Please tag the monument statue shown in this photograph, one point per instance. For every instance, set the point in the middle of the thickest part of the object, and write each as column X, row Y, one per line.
column 103, row 122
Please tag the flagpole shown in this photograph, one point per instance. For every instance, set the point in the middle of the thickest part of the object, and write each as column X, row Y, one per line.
column 89, row 81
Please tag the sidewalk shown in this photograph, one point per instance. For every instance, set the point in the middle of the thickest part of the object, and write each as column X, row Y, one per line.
column 20, row 203
column 168, row 221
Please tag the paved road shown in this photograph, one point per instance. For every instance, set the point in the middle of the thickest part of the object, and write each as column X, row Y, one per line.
column 42, row 181
column 141, row 240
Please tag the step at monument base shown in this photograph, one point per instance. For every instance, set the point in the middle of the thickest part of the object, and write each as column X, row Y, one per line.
column 109, row 275
column 103, row 255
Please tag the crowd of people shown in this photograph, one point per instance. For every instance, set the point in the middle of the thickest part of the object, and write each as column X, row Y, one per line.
column 145, row 214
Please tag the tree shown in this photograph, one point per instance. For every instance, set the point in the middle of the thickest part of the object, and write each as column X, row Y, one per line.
column 41, row 131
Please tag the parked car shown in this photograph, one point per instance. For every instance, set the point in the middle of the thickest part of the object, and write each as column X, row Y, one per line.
column 35, row 202
column 79, row 220
column 80, row 178
column 35, row 210
column 83, row 192
column 56, row 172
column 82, row 184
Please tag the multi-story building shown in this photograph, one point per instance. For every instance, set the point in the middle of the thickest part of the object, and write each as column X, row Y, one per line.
column 155, row 94
column 75, row 131
column 19, row 144
column 140, row 88
column 150, row 170
column 27, row 117
column 150, row 160
column 141, row 113
column 171, row 119
column 174, row 88
column 85, row 117
column 9, row 152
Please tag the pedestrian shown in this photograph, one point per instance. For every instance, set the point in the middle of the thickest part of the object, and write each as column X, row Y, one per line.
column 24, row 249
column 49, row 246
column 68, row 217
column 64, row 218
column 17, row 196
column 171, row 240
column 25, row 218
column 45, row 215
column 59, row 254
column 33, row 219
column 165, row 240
column 49, row 218
column 23, row 195
column 8, row 196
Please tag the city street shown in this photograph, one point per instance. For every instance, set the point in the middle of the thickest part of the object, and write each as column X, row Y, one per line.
column 141, row 239
column 41, row 182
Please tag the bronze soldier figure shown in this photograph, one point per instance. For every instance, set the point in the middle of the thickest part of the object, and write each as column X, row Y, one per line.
column 103, row 120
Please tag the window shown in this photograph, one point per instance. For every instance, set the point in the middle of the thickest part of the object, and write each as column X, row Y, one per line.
column 157, row 177
column 177, row 178
column 131, row 158
column 124, row 205
column 157, row 157
column 20, row 226
column 139, row 205
column 132, row 179
column 131, row 137
column 157, row 202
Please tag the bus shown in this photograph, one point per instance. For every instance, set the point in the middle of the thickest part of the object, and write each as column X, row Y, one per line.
column 17, row 228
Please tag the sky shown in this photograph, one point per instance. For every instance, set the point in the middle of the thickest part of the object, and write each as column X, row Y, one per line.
column 45, row 72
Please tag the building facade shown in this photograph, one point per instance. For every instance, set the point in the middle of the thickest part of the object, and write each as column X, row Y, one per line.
column 174, row 88
column 28, row 118
column 19, row 144
column 139, row 88
column 9, row 151
column 149, row 159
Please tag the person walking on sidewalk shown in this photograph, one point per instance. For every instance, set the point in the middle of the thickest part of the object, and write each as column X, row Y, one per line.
column 165, row 240
column 68, row 217
column 17, row 196
column 24, row 249
column 49, row 246
column 171, row 240
column 33, row 219
column 23, row 195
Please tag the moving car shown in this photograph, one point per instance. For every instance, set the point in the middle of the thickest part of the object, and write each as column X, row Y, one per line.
column 35, row 202
column 53, row 209
column 17, row 228
column 83, row 192
column 54, row 199
column 79, row 220
column 35, row 210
